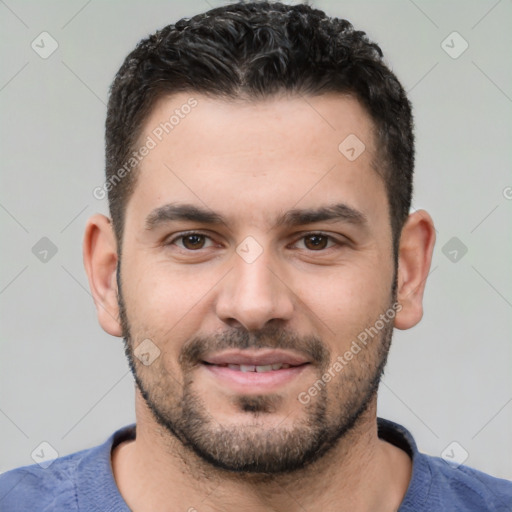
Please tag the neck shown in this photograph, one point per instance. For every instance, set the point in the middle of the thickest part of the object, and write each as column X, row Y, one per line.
column 360, row 473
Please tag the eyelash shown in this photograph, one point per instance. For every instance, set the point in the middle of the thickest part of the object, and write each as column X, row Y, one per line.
column 313, row 233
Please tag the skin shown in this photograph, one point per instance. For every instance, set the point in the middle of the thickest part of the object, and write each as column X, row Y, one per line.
column 251, row 162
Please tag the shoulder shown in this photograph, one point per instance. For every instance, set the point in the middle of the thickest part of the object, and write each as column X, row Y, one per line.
column 79, row 481
column 438, row 485
column 39, row 489
column 465, row 488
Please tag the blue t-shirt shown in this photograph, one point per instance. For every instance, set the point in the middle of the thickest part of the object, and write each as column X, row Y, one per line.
column 83, row 481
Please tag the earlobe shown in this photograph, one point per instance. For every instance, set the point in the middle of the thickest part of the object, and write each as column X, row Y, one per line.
column 100, row 261
column 415, row 256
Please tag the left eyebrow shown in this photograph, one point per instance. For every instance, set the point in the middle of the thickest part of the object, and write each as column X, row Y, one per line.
column 339, row 212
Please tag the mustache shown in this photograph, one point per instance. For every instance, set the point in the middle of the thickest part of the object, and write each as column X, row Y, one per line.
column 311, row 347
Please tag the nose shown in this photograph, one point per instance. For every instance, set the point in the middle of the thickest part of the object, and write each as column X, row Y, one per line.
column 254, row 294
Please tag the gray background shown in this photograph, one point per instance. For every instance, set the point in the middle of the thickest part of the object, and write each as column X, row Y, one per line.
column 66, row 382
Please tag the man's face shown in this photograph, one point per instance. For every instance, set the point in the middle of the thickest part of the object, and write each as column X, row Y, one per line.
column 248, row 309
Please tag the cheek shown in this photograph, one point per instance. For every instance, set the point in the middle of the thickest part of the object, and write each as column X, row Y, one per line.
column 163, row 292
column 345, row 302
column 345, row 295
column 164, row 304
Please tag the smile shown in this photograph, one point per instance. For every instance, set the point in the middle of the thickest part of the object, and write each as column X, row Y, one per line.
column 254, row 368
column 254, row 371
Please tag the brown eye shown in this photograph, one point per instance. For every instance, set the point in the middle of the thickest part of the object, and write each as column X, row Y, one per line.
column 194, row 241
column 316, row 242
column 191, row 241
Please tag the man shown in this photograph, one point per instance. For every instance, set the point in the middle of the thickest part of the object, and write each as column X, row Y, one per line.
column 258, row 255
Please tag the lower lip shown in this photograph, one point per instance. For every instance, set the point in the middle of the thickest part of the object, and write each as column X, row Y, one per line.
column 255, row 382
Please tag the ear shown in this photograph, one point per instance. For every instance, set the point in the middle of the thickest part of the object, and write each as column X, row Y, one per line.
column 100, row 261
column 414, row 259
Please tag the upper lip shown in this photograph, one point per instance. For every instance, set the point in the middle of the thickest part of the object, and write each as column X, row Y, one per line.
column 259, row 357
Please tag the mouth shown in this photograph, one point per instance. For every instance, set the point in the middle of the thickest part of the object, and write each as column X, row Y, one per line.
column 254, row 359
column 254, row 371
column 262, row 368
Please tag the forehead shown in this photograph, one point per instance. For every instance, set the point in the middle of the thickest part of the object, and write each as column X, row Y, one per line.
column 260, row 154
column 215, row 124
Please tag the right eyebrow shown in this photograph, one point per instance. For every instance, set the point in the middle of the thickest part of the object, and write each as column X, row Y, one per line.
column 172, row 211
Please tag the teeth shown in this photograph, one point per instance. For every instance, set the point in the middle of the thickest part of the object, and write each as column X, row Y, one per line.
column 256, row 368
column 265, row 368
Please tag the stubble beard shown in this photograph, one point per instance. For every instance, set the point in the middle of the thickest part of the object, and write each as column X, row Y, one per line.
column 254, row 447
